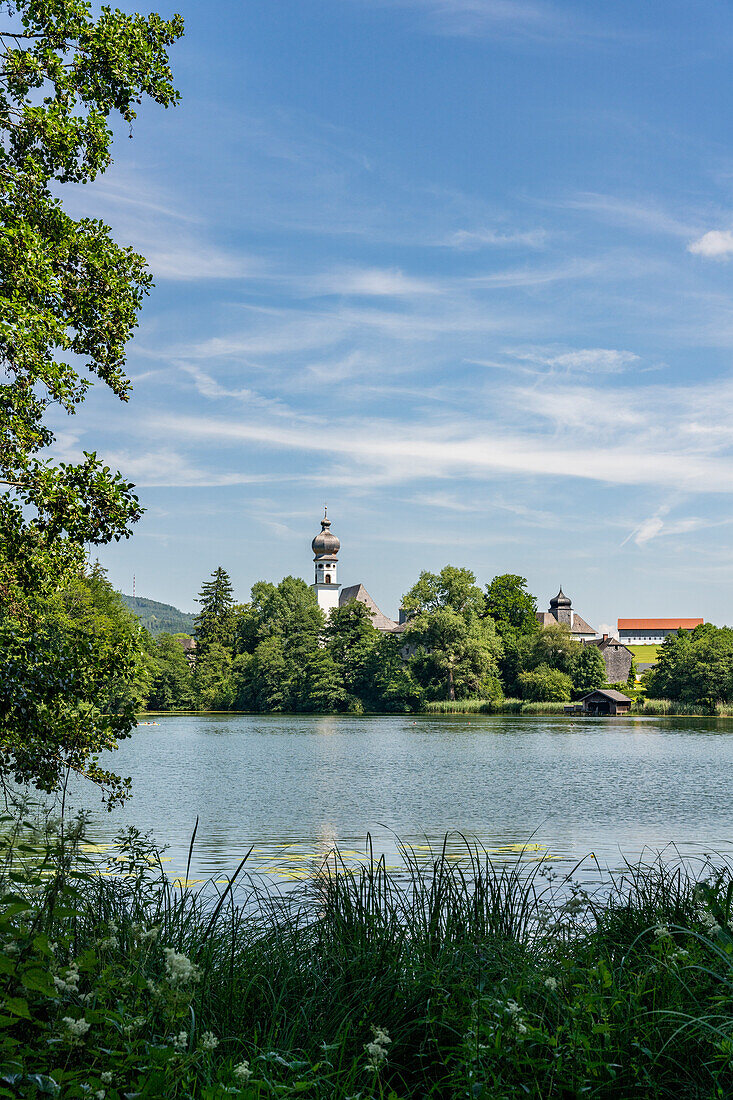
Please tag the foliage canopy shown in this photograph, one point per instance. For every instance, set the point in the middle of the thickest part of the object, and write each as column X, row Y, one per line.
column 69, row 302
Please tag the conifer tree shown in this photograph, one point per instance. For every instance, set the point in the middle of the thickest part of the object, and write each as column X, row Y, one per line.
column 215, row 621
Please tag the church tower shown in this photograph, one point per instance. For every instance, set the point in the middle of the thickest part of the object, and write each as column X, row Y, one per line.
column 562, row 608
column 325, row 548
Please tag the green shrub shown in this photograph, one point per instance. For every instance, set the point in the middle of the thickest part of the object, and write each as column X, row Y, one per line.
column 545, row 684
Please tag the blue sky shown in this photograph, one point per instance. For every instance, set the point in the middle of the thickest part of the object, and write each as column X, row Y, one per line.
column 462, row 268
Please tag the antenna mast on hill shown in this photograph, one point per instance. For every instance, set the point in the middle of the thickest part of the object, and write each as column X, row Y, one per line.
column 133, row 586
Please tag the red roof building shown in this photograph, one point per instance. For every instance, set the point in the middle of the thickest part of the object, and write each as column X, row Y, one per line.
column 652, row 631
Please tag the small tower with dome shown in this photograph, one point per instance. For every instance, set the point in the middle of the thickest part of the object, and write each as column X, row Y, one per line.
column 562, row 608
column 325, row 549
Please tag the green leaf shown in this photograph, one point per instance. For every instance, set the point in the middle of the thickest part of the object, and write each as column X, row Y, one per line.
column 18, row 1006
column 38, row 980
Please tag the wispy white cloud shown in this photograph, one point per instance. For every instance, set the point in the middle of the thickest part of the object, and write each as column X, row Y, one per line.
column 185, row 261
column 584, row 360
column 371, row 282
column 642, row 214
column 657, row 525
column 469, row 239
column 516, row 18
column 396, row 453
column 167, row 467
column 174, row 240
column 717, row 244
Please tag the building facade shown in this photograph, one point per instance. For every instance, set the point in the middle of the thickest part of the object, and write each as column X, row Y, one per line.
column 652, row 631
column 617, row 658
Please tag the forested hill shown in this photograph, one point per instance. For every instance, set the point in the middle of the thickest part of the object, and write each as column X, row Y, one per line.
column 160, row 617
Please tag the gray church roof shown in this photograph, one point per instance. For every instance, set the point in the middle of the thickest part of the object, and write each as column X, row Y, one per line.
column 359, row 592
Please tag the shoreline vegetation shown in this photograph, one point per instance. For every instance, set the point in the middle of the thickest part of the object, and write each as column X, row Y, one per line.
column 452, row 977
column 665, row 708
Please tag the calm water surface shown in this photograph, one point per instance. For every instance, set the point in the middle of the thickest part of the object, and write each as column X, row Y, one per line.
column 296, row 786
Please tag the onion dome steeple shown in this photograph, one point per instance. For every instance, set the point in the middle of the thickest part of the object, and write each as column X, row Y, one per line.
column 325, row 549
column 560, row 600
column 325, row 544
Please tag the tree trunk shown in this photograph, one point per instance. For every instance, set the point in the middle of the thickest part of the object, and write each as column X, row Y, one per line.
column 451, row 685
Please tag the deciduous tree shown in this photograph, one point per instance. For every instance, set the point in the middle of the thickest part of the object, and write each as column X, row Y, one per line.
column 69, row 301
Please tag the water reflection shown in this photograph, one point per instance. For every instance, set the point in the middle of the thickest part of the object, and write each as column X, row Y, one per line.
column 529, row 788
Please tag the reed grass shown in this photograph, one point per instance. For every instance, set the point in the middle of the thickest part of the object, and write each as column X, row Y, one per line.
column 491, row 706
column 455, row 977
column 651, row 707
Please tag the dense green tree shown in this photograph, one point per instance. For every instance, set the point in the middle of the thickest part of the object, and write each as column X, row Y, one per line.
column 264, row 679
column 388, row 680
column 318, row 685
column 288, row 610
column 69, row 300
column 545, row 685
column 454, row 657
column 694, row 667
column 172, row 681
column 553, row 646
column 90, row 602
column 511, row 606
column 72, row 684
column 454, row 647
column 514, row 610
column 352, row 640
column 214, row 685
column 589, row 670
column 453, row 587
column 215, row 621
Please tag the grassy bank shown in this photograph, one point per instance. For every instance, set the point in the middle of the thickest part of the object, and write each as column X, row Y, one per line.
column 459, row 980
column 652, row 707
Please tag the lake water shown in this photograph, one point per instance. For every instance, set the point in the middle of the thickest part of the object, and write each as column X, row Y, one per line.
column 296, row 786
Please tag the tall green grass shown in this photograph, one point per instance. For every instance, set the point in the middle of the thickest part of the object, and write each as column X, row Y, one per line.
column 644, row 706
column 491, row 706
column 455, row 977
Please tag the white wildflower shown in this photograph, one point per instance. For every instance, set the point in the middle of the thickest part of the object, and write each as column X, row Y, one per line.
column 708, row 920
column 512, row 1008
column 70, row 983
column 76, row 1029
column 106, row 1077
column 180, row 1041
column 151, row 935
column 100, row 1094
column 376, row 1051
column 179, row 968
column 521, row 1027
column 152, row 987
column 551, row 983
column 112, row 928
column 242, row 1072
column 209, row 1041
column 11, row 947
column 662, row 932
column 110, row 942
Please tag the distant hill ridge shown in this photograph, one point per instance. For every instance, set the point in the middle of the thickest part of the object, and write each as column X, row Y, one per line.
column 160, row 618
